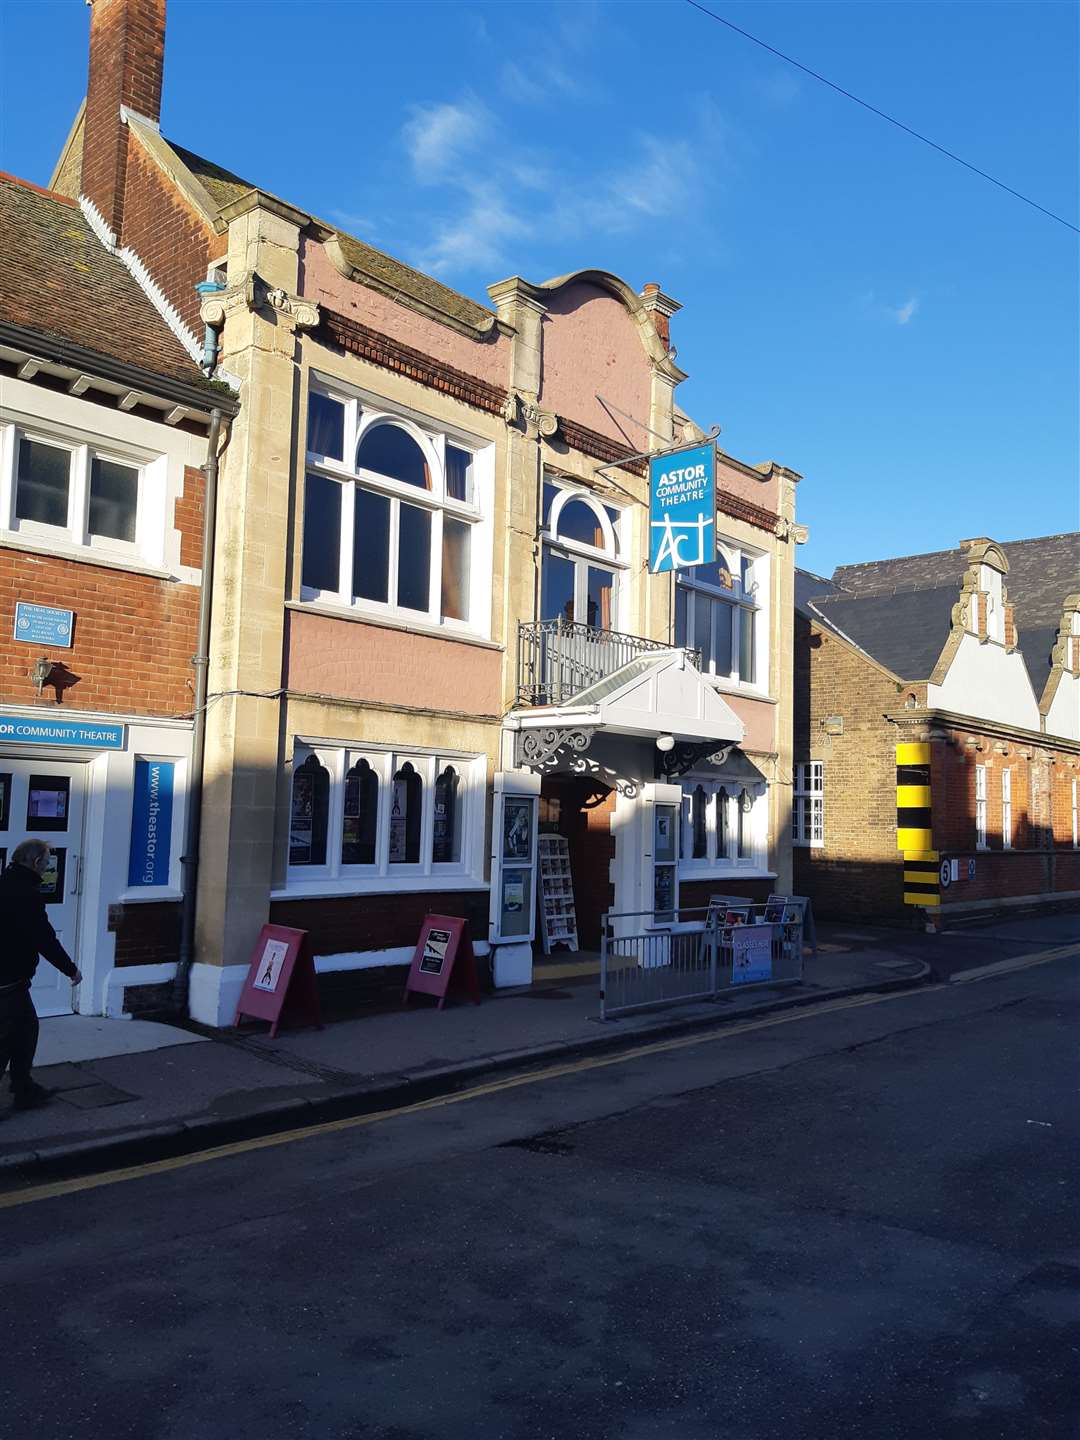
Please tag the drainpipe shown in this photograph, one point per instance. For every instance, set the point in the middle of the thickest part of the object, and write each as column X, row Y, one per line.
column 204, row 289
column 189, row 861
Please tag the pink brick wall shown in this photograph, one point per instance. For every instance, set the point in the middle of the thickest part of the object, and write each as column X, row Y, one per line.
column 592, row 347
column 487, row 358
column 732, row 481
column 759, row 719
column 346, row 658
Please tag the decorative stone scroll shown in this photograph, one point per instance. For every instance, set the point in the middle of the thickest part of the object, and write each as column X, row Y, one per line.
column 528, row 417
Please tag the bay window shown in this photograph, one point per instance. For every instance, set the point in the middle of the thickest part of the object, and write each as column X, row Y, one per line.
column 391, row 515
column 720, row 609
column 371, row 818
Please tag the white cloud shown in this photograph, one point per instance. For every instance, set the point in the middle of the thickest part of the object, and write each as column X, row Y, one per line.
column 438, row 136
column 902, row 313
column 475, row 239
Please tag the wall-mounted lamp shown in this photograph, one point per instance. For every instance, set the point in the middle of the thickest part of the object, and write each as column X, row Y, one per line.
column 665, row 743
column 43, row 668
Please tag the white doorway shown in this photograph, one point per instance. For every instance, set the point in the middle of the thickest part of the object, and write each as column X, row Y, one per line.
column 45, row 800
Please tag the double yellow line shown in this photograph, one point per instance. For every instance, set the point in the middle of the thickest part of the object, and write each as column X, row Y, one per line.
column 511, row 1082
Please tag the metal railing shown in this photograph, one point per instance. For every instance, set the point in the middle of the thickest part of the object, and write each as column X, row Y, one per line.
column 557, row 659
column 698, row 955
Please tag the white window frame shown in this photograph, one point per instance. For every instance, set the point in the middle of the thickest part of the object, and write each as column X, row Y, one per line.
column 980, row 807
column 702, row 597
column 74, row 536
column 363, row 413
column 724, row 859
column 610, row 556
column 1006, row 809
column 808, row 805
column 335, row 876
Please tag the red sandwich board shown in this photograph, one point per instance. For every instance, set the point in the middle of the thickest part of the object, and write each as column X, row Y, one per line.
column 443, row 954
column 280, row 981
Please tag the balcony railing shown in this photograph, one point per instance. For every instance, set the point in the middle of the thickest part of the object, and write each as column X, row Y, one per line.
column 558, row 659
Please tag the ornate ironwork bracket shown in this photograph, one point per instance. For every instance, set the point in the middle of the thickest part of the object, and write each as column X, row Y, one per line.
column 689, row 753
column 542, row 749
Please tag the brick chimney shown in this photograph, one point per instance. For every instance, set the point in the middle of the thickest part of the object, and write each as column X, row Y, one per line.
column 660, row 308
column 127, row 60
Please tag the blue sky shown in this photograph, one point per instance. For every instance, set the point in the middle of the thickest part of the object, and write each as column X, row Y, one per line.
column 856, row 306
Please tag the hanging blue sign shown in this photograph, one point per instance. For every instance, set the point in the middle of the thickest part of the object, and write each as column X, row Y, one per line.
column 39, row 730
column 43, row 625
column 151, row 823
column 682, row 509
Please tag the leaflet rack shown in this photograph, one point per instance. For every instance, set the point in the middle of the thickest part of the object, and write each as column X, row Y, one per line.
column 558, row 918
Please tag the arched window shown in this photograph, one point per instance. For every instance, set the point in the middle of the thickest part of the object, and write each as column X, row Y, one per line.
column 406, row 801
column 580, row 521
column 446, row 834
column 723, row 823
column 309, row 813
column 699, row 821
column 580, row 561
column 746, row 839
column 391, row 452
column 360, row 819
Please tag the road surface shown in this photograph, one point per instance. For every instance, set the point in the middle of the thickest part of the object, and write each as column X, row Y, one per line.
column 851, row 1221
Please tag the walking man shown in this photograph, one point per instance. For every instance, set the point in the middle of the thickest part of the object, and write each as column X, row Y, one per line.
column 25, row 933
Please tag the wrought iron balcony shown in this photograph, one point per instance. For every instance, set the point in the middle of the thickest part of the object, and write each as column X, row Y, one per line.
column 557, row 659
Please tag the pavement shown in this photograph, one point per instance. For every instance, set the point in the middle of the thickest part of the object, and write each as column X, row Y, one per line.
column 127, row 1090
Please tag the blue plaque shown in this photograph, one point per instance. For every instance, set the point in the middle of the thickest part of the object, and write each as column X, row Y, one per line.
column 151, row 823
column 44, row 730
column 682, row 509
column 43, row 625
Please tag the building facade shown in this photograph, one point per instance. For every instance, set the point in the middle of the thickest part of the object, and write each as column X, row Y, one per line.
column 937, row 732
column 103, row 438
column 435, row 634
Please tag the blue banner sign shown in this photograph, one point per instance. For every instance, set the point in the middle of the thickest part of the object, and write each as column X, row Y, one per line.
column 44, row 730
column 43, row 625
column 151, row 823
column 682, row 509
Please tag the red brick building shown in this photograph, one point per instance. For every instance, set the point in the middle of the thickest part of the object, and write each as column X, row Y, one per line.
column 937, row 731
column 103, row 437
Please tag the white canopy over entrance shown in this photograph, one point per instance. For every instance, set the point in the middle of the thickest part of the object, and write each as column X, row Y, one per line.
column 656, row 694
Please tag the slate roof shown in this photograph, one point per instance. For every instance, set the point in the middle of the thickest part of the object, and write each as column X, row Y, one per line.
column 224, row 187
column 899, row 610
column 57, row 279
column 905, row 632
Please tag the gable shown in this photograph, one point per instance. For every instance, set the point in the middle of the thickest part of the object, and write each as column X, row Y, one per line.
column 661, row 695
column 592, row 346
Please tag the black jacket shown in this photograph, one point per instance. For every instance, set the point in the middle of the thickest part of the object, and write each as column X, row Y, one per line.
column 25, row 931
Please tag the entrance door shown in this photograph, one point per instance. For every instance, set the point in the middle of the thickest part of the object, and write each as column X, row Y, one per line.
column 43, row 799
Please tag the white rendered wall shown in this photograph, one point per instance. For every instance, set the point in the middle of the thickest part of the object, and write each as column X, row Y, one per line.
column 986, row 682
column 1063, row 717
